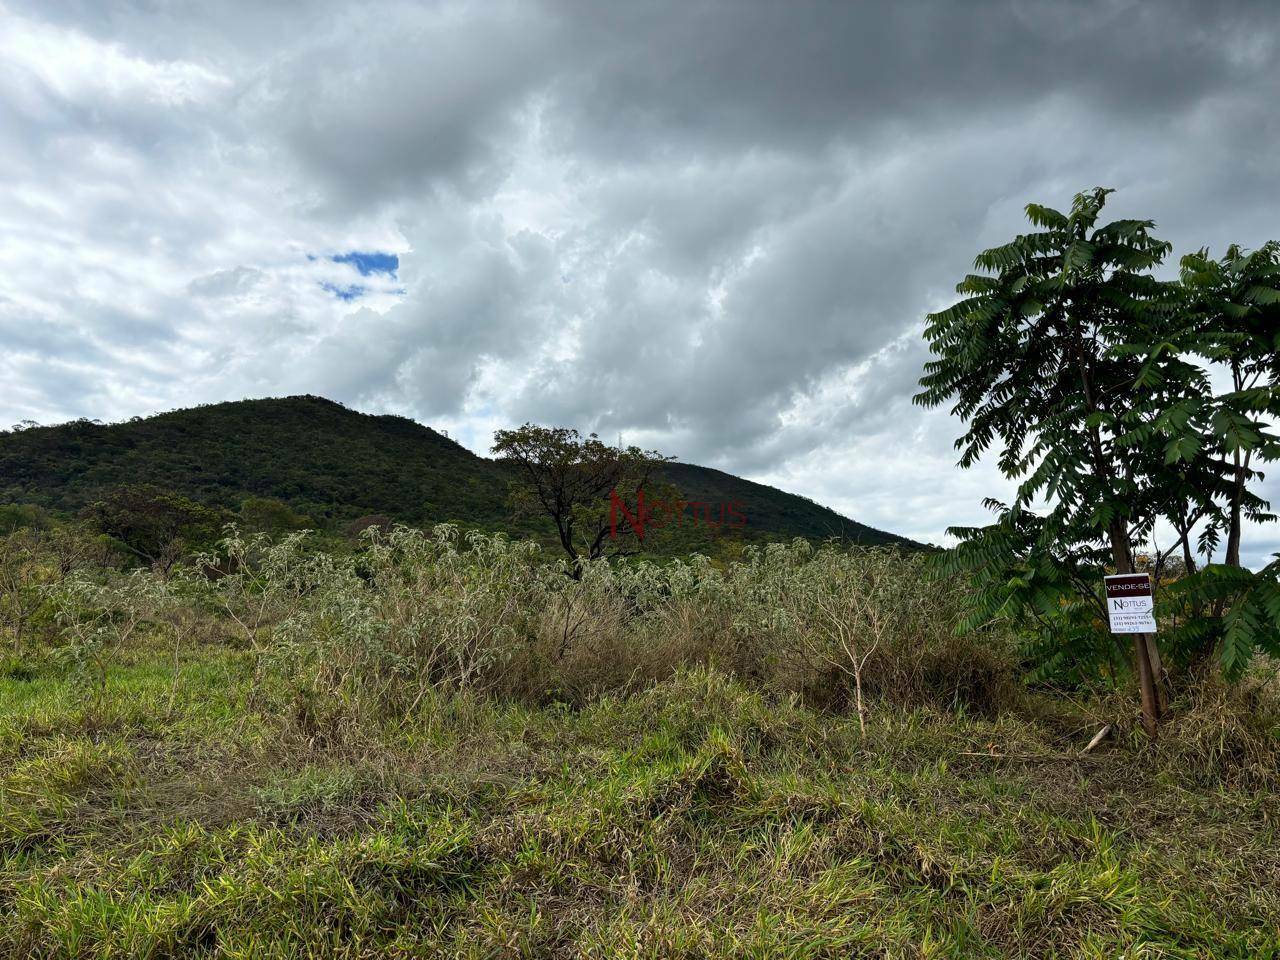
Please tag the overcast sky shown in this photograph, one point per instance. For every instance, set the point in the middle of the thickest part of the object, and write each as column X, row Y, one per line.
column 713, row 228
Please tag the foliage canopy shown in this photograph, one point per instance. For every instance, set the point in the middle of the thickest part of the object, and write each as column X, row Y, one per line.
column 1093, row 383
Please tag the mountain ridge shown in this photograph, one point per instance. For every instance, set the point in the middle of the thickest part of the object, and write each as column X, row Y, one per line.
column 335, row 464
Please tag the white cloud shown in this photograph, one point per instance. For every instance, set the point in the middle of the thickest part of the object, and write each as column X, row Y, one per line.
column 43, row 61
column 715, row 230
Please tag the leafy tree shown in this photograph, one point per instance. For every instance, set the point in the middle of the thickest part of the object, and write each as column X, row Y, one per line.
column 25, row 575
column 1047, row 356
column 357, row 527
column 1100, row 383
column 1233, row 319
column 18, row 516
column 155, row 525
column 568, row 477
column 272, row 516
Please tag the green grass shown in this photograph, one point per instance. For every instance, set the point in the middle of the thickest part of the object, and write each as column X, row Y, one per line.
column 175, row 816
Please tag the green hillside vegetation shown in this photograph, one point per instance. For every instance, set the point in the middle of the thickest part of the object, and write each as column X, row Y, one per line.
column 334, row 465
column 323, row 460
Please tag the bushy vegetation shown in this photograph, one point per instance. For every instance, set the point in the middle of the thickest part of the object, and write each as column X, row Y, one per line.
column 442, row 744
column 370, row 632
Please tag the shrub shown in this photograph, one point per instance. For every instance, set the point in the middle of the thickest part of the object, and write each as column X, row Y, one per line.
column 343, row 639
column 1227, row 734
column 100, row 617
column 32, row 560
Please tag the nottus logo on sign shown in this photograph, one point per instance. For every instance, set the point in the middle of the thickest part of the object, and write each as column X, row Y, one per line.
column 1130, row 603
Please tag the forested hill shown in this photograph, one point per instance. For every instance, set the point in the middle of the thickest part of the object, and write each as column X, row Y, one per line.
column 334, row 465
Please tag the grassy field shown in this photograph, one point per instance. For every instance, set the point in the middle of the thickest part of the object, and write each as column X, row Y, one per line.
column 190, row 793
column 690, row 819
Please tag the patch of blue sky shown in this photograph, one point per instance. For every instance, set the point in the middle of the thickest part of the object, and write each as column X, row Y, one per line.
column 369, row 263
column 348, row 293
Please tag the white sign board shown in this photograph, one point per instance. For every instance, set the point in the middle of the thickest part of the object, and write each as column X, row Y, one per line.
column 1130, row 603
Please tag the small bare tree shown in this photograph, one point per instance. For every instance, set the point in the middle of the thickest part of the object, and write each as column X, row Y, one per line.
column 847, row 614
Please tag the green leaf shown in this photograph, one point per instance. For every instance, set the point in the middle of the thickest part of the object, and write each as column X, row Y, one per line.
column 1182, row 448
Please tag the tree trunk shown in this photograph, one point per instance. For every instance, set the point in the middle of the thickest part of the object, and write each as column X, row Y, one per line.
column 857, row 692
column 1183, row 525
column 1188, row 561
column 1144, row 648
column 1157, row 673
column 1237, row 495
column 1143, row 644
column 1237, row 492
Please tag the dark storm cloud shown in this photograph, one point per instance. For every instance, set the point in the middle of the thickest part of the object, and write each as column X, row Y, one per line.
column 427, row 104
column 801, row 75
column 712, row 227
